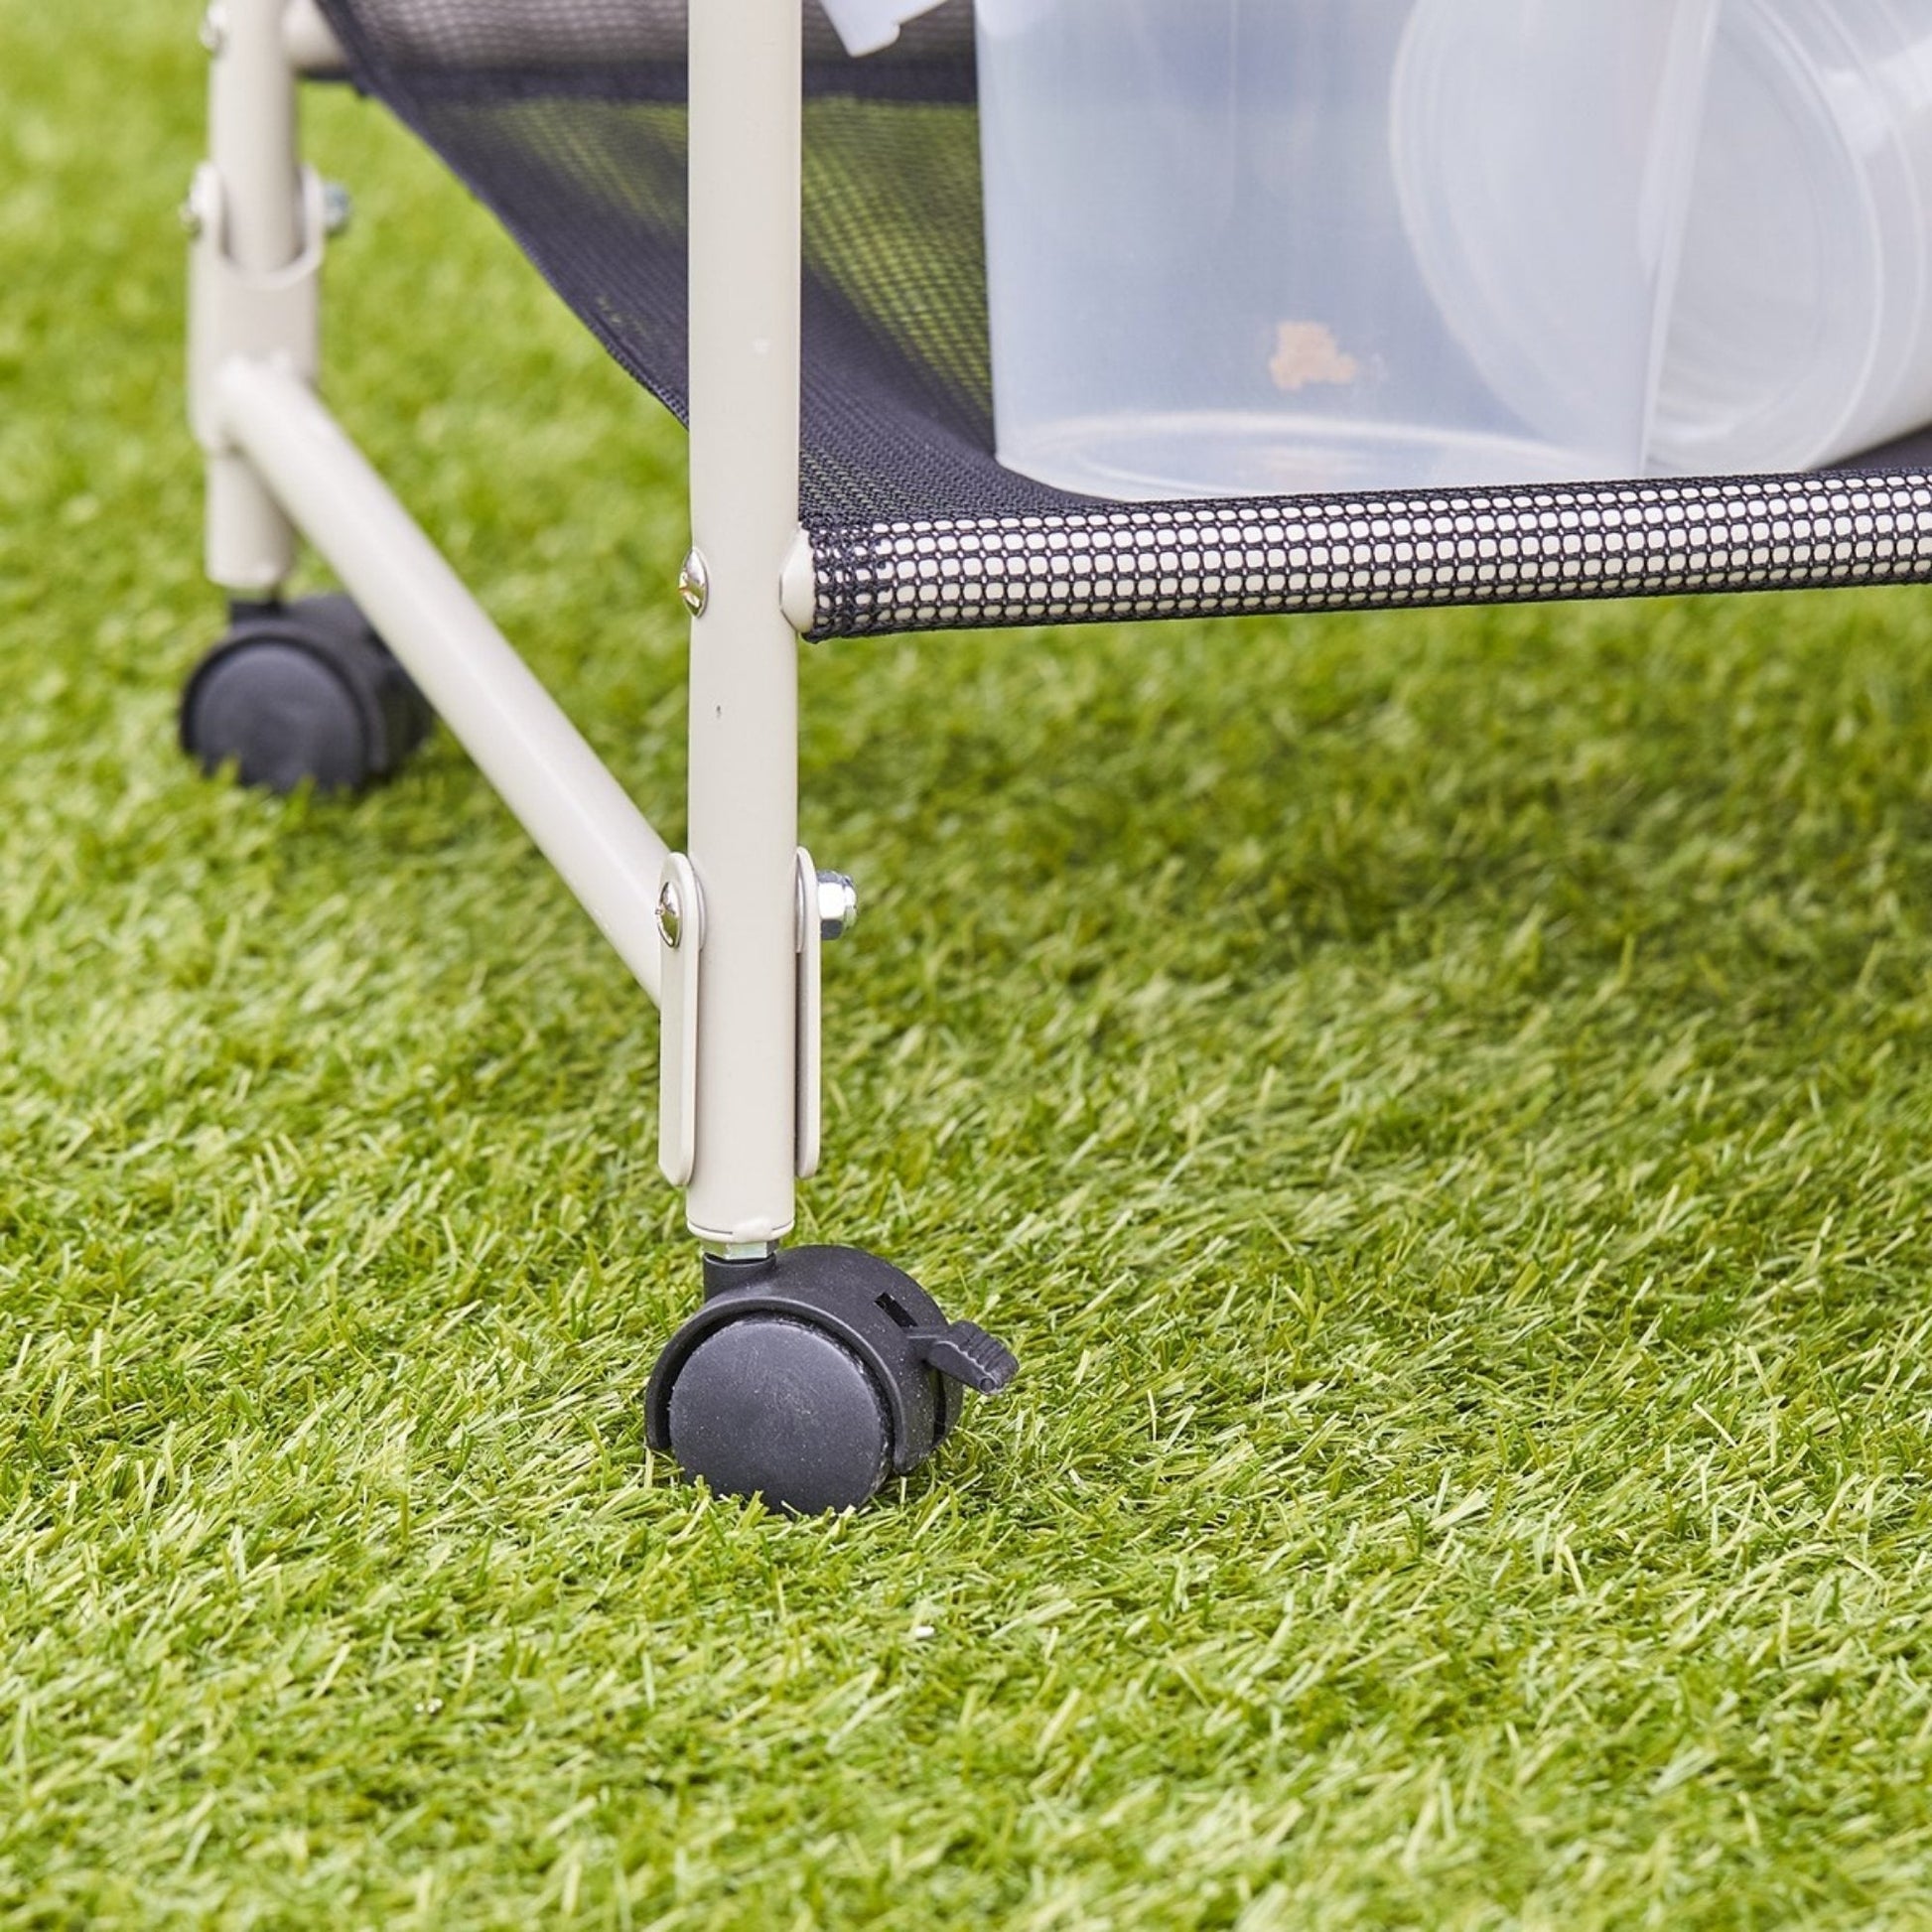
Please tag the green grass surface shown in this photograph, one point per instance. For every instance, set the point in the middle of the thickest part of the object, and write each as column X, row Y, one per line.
column 1440, row 1105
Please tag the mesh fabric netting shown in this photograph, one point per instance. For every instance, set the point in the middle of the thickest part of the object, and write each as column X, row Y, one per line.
column 567, row 118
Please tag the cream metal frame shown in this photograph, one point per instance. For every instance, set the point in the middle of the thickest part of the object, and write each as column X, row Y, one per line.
column 724, row 936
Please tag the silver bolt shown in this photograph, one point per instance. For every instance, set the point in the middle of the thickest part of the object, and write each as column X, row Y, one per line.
column 198, row 206
column 214, row 28
column 838, row 906
column 694, row 584
column 338, row 208
column 671, row 916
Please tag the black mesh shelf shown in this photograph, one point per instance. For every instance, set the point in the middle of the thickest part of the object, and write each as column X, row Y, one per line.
column 568, row 120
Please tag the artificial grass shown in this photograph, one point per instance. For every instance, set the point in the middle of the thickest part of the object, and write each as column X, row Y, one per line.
column 1439, row 1104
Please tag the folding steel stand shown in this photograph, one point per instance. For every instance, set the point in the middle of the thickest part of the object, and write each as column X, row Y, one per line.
column 809, row 1375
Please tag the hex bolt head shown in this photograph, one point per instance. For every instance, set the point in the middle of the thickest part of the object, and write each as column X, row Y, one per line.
column 338, row 208
column 838, row 906
column 694, row 584
column 671, row 916
column 198, row 205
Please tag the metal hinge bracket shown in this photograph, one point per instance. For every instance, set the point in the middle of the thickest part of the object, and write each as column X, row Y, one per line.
column 236, row 312
column 680, row 932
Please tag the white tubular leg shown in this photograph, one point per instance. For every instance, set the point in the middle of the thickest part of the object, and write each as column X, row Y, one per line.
column 577, row 814
column 255, row 162
column 311, row 43
column 745, row 83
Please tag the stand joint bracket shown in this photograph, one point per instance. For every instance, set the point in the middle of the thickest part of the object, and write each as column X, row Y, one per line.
column 270, row 317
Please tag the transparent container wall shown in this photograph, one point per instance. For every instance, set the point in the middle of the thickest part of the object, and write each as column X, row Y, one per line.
column 1802, row 330
column 1276, row 246
column 865, row 26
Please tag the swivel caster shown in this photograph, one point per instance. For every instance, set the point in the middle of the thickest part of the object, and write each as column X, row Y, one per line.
column 303, row 692
column 810, row 1377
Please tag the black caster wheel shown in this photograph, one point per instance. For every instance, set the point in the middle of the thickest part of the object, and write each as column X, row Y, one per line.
column 302, row 693
column 811, row 1377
